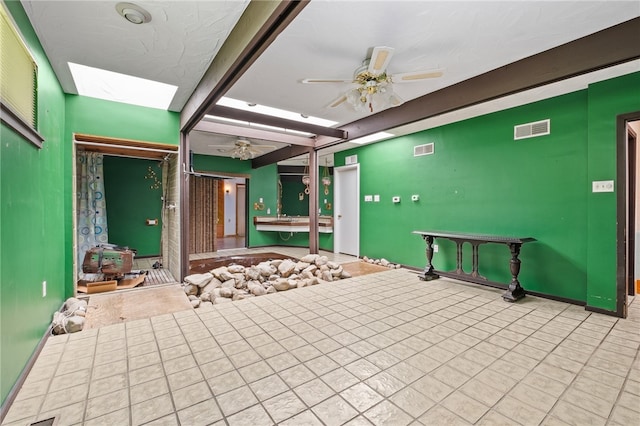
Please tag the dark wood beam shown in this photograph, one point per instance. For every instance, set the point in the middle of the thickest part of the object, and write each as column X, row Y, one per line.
column 606, row 48
column 269, row 120
column 257, row 28
column 279, row 155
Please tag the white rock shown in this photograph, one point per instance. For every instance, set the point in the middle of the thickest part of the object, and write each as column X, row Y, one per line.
column 322, row 260
column 286, row 268
column 200, row 280
column 190, row 289
column 384, row 262
column 266, row 269
column 311, row 268
column 301, row 266
column 236, row 269
column 226, row 276
column 309, row 258
column 276, row 262
column 271, row 290
column 292, row 283
column 229, row 283
column 252, row 273
column 345, row 275
column 74, row 324
column 205, row 305
column 226, row 292
column 337, row 272
column 216, row 272
column 214, row 283
column 192, row 297
column 326, row 275
column 281, row 285
column 195, row 303
column 333, row 265
column 205, row 297
column 220, row 300
column 258, row 290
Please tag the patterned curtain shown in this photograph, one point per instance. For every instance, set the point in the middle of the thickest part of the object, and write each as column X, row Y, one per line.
column 91, row 205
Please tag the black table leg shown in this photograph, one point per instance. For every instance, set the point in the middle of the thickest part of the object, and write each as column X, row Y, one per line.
column 428, row 274
column 515, row 291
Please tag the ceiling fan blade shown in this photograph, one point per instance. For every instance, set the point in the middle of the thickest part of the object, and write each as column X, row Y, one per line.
column 325, row 80
column 380, row 59
column 338, row 101
column 409, row 77
column 395, row 100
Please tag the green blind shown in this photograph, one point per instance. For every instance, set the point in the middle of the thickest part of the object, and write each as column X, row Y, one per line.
column 18, row 72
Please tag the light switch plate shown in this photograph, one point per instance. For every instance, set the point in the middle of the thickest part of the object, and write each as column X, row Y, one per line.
column 602, row 186
column 415, row 197
column 368, row 198
column 376, row 198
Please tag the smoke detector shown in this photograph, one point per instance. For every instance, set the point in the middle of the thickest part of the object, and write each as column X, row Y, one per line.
column 133, row 13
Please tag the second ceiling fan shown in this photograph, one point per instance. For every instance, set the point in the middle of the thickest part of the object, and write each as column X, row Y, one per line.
column 374, row 85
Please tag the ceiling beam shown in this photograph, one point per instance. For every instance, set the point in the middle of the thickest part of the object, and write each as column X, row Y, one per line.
column 609, row 47
column 257, row 28
column 280, row 154
column 253, row 133
column 269, row 120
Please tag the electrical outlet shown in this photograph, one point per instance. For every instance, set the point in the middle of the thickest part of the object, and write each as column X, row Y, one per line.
column 44, row 289
column 602, row 186
column 415, row 197
column 368, row 198
column 435, row 248
column 395, row 199
column 376, row 198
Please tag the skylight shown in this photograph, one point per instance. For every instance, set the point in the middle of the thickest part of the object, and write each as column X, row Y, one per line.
column 275, row 112
column 372, row 138
column 113, row 86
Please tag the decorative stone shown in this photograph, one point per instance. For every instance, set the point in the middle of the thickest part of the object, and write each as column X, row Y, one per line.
column 200, row 280
column 266, row 269
column 226, row 276
column 384, row 262
column 195, row 303
column 191, row 289
column 226, row 292
column 205, row 304
column 333, row 265
column 309, row 258
column 301, row 266
column 216, row 272
column 220, row 300
column 345, row 275
column 192, row 297
column 292, row 283
column 205, row 297
column 337, row 272
column 322, row 260
column 258, row 290
column 327, row 276
column 281, row 285
column 236, row 269
column 229, row 283
column 271, row 290
column 214, row 283
column 286, row 268
column 74, row 324
column 252, row 273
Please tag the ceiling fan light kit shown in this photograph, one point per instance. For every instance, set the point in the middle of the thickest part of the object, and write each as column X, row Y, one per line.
column 375, row 85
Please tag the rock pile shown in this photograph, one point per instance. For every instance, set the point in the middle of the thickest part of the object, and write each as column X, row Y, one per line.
column 237, row 282
column 71, row 318
column 382, row 262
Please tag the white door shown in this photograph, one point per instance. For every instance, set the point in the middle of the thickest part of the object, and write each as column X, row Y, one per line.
column 347, row 210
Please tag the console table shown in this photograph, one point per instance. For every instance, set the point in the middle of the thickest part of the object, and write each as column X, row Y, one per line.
column 514, row 290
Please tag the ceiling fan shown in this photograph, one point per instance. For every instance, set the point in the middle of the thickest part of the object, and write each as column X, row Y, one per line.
column 243, row 149
column 374, row 86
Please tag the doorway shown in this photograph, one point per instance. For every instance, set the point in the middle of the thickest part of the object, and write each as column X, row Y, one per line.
column 628, row 126
column 347, row 210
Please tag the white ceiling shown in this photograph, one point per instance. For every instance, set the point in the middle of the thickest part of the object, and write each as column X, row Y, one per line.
column 328, row 39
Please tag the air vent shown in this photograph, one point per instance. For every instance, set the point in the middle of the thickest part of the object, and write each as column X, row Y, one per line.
column 352, row 159
column 531, row 130
column 426, row 149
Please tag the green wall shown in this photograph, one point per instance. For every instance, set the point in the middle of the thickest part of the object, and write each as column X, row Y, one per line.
column 116, row 120
column 32, row 221
column 133, row 190
column 480, row 180
column 606, row 101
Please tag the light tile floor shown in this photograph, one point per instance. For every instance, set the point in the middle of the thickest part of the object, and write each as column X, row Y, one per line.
column 382, row 349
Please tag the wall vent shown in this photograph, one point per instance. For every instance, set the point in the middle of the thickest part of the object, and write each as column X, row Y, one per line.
column 426, row 149
column 352, row 159
column 531, row 130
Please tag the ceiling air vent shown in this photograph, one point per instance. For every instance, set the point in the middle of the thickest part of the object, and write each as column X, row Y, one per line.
column 426, row 149
column 352, row 159
column 531, row 130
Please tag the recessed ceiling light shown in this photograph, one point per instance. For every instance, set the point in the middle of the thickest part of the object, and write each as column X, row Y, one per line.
column 133, row 13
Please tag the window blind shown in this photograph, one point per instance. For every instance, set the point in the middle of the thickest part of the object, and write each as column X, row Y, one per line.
column 18, row 72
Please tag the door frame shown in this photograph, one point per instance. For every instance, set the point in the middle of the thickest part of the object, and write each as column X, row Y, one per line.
column 625, row 199
column 337, row 192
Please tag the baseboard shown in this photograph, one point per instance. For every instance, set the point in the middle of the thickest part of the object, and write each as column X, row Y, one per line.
column 602, row 311
column 4, row 409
